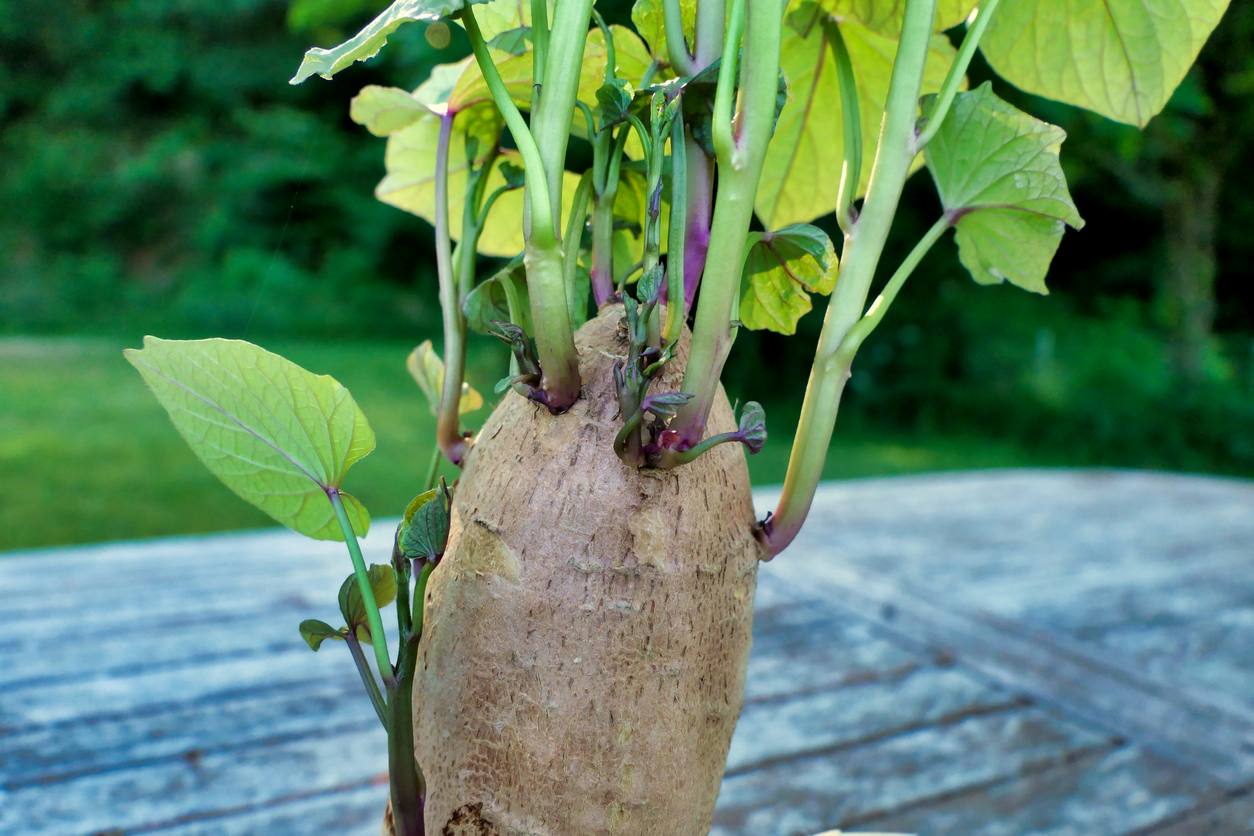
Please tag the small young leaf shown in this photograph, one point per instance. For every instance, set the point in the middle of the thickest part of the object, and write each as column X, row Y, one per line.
column 1120, row 58
column 753, row 426
column 614, row 97
column 665, row 405
column 353, row 606
column 367, row 43
column 513, row 41
column 425, row 531
column 779, row 270
column 427, row 369
column 277, row 435
column 515, row 175
column 997, row 172
column 519, row 344
column 650, row 283
column 315, row 632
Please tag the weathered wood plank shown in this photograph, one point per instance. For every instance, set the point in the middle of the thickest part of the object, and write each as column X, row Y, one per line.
column 152, row 691
column 962, row 565
column 1230, row 817
column 1077, row 554
column 1099, row 794
column 1200, row 736
column 145, row 796
column 828, row 720
column 52, row 754
column 354, row 812
column 809, row 795
column 802, row 647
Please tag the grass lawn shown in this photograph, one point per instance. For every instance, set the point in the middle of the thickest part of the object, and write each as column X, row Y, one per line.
column 88, row 455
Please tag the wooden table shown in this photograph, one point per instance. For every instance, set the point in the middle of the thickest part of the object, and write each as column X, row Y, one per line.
column 978, row 654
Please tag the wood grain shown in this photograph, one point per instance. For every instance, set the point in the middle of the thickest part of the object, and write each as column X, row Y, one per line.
column 981, row 654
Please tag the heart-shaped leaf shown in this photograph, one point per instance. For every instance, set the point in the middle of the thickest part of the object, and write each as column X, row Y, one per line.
column 779, row 270
column 614, row 99
column 367, row 43
column 801, row 176
column 427, row 369
column 353, row 607
column 315, row 632
column 277, row 435
column 1120, row 58
column 997, row 171
column 424, row 532
column 753, row 426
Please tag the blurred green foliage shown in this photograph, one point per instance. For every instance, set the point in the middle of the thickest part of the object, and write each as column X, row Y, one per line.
column 160, row 176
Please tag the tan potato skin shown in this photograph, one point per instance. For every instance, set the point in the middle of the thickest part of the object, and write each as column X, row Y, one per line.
column 587, row 633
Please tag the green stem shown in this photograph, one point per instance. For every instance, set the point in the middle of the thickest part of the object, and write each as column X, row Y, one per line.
column 851, row 119
column 871, row 319
column 739, row 169
column 676, row 47
column 537, row 182
column 420, row 597
column 574, row 232
column 550, row 318
column 405, row 780
column 448, row 424
column 367, row 677
column 676, row 255
column 539, row 42
column 711, row 18
column 864, row 244
column 433, row 468
column 378, row 640
column 550, row 123
column 724, row 94
column 555, row 342
column 957, row 72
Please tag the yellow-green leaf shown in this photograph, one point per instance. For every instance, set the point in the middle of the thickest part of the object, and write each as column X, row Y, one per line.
column 885, row 16
column 367, row 43
column 353, row 606
column 1120, row 58
column 315, row 632
column 428, row 371
column 997, row 171
column 410, row 184
column 274, row 433
column 801, row 176
column 781, row 270
column 647, row 17
column 499, row 16
column 385, row 110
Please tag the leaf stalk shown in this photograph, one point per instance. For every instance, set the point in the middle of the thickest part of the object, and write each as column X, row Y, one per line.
column 739, row 169
column 378, row 640
column 864, row 244
column 957, row 72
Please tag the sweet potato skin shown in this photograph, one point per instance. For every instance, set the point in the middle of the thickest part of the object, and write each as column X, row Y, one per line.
column 587, row 633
